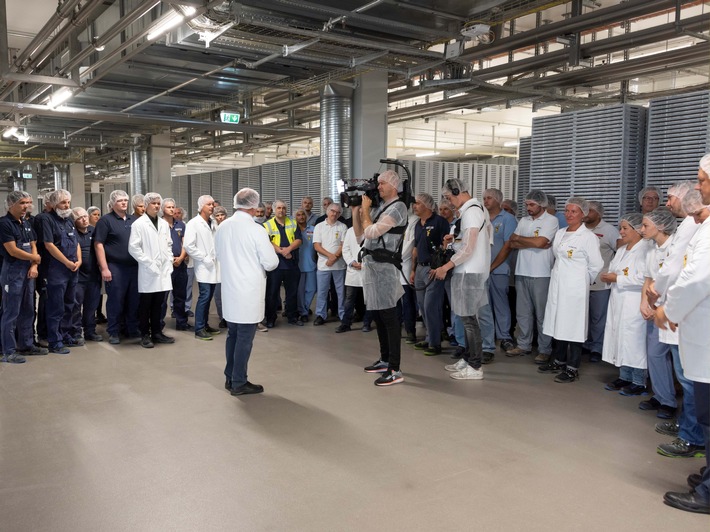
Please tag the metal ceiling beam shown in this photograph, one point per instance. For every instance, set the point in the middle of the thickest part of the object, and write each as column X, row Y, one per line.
column 42, row 80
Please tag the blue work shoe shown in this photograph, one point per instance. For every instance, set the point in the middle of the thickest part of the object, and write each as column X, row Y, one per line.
column 59, row 349
column 14, row 358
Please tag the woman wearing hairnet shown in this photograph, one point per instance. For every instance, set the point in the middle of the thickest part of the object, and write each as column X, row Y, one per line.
column 658, row 226
column 578, row 261
column 625, row 330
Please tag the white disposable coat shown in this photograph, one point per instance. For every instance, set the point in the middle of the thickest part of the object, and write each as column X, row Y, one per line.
column 199, row 244
column 625, row 330
column 688, row 304
column 245, row 255
column 152, row 249
column 351, row 249
column 577, row 263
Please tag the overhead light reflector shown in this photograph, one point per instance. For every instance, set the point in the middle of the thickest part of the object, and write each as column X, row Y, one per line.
column 59, row 97
column 169, row 22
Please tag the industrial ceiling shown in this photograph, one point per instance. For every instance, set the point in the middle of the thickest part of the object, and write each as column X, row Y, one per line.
column 465, row 77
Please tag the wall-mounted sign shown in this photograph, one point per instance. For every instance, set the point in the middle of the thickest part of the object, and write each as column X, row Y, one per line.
column 229, row 117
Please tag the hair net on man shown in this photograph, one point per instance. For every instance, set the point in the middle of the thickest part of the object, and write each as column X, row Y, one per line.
column 663, row 219
column 78, row 212
column 495, row 193
column 16, row 196
column 59, row 195
column 220, row 210
column 551, row 201
column 596, row 206
column 136, row 200
column 646, row 190
column 91, row 210
column 246, row 199
column 335, row 207
column 634, row 219
column 426, row 200
column 693, row 202
column 705, row 163
column 512, row 204
column 680, row 189
column 537, row 196
column 582, row 203
column 150, row 197
column 169, row 200
column 202, row 200
column 451, row 184
column 115, row 196
column 391, row 178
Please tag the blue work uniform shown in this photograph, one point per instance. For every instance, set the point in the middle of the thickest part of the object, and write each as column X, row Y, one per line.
column 88, row 289
column 179, row 278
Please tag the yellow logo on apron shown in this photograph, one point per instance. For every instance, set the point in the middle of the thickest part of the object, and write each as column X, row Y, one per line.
column 685, row 260
column 569, row 253
column 626, row 271
column 536, row 233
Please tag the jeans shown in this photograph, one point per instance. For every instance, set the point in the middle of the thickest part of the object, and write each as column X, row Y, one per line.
column 389, row 334
column 531, row 299
column 189, row 282
column 218, row 299
column 202, row 310
column 689, row 429
column 307, row 287
column 240, row 338
column 473, row 341
column 569, row 353
column 498, row 300
column 150, row 313
column 179, row 279
column 323, row 278
column 431, row 303
column 488, row 329
column 86, row 299
column 633, row 375
column 408, row 310
column 598, row 303
column 456, row 322
column 660, row 367
column 351, row 293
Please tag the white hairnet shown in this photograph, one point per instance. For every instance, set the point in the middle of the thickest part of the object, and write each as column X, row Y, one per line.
column 93, row 209
column 634, row 219
column 426, row 200
column 705, row 164
column 59, row 195
column 78, row 212
column 646, row 190
column 168, row 200
column 202, row 200
column 335, row 207
column 452, row 184
column 537, row 196
column 246, row 199
column 663, row 219
column 495, row 193
column 391, row 178
column 15, row 196
column 693, row 202
column 680, row 189
column 136, row 200
column 150, row 197
column 582, row 203
column 115, row 196
column 597, row 206
column 551, row 201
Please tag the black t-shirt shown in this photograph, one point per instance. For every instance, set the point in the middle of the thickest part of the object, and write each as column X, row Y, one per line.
column 89, row 270
column 19, row 232
column 114, row 233
column 292, row 263
column 430, row 236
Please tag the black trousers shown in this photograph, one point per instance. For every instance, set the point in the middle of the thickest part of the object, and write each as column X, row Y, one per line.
column 389, row 333
column 702, row 411
column 150, row 312
column 573, row 358
column 290, row 279
column 179, row 278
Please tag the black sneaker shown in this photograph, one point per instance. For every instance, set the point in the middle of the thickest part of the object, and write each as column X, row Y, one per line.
column 222, row 324
column 421, row 345
column 114, row 339
column 380, row 366
column 318, row 321
column 203, row 335
column 665, row 412
column 651, row 404
column 507, row 345
column 342, row 328
column 595, row 357
column 616, row 385
column 212, row 330
column 568, row 375
column 679, row 448
column 551, row 367
column 669, row 428
column 390, row 378
column 487, row 357
column 410, row 339
column 632, row 390
column 432, row 351
column 247, row 389
column 146, row 341
column 33, row 351
column 295, row 321
column 160, row 338
column 694, row 480
column 14, row 358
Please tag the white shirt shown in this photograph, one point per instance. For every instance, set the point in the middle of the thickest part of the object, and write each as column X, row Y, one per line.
column 153, row 250
column 657, row 256
column 245, row 254
column 608, row 235
column 199, row 244
column 535, row 262
column 351, row 249
column 331, row 238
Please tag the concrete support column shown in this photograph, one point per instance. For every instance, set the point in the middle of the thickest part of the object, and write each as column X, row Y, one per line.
column 76, row 185
column 369, row 124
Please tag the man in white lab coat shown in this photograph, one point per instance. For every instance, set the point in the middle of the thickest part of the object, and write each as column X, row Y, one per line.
column 199, row 244
column 245, row 255
column 151, row 245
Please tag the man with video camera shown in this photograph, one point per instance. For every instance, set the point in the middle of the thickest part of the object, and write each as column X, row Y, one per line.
column 382, row 236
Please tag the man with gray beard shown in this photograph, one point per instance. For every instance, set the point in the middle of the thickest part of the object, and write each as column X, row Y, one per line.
column 60, row 241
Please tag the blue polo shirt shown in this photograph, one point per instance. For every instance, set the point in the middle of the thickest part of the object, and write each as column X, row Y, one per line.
column 306, row 256
column 18, row 231
column 114, row 233
column 89, row 269
column 430, row 236
column 62, row 233
column 177, row 232
column 504, row 225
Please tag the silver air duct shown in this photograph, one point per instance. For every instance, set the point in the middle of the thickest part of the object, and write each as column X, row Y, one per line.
column 139, row 170
column 61, row 176
column 335, row 138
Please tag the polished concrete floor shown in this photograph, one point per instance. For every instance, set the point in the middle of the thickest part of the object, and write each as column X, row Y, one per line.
column 125, row 438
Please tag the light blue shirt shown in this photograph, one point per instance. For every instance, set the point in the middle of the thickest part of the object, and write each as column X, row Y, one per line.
column 306, row 256
column 504, row 225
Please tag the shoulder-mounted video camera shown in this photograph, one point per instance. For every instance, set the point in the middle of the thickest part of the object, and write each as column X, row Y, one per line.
column 352, row 195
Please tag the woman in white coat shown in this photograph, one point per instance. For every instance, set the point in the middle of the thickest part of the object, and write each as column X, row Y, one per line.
column 578, row 261
column 625, row 330
column 151, row 245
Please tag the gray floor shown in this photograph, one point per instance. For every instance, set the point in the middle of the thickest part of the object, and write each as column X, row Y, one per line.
column 133, row 439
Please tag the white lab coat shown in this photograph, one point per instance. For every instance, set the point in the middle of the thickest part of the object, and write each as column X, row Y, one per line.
column 199, row 244
column 577, row 263
column 152, row 249
column 688, row 304
column 625, row 329
column 351, row 249
column 245, row 255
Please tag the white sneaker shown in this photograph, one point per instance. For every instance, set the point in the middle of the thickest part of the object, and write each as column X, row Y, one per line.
column 468, row 373
column 458, row 366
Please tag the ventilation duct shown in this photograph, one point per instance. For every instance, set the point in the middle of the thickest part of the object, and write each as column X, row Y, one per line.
column 139, row 170
column 61, row 176
column 335, row 137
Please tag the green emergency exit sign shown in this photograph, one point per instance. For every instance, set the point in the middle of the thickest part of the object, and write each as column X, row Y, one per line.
column 229, row 117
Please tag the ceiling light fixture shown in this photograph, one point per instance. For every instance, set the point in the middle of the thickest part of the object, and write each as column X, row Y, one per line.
column 427, row 154
column 9, row 132
column 59, row 97
column 169, row 22
column 95, row 43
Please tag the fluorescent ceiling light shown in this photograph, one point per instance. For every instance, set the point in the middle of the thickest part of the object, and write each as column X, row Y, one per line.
column 427, row 154
column 9, row 132
column 169, row 22
column 59, row 97
column 511, row 144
